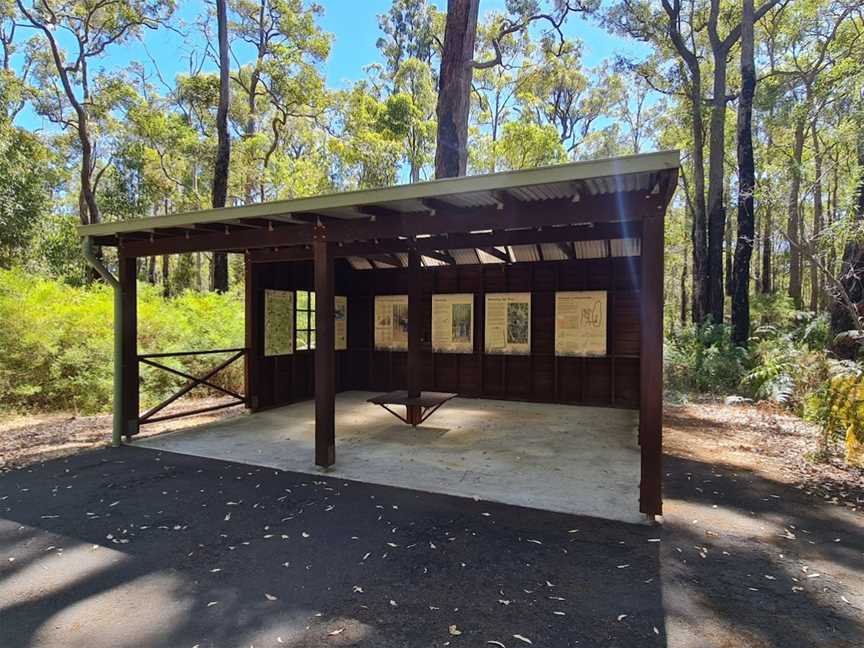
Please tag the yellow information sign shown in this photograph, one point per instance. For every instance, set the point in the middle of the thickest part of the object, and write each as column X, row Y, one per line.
column 508, row 323
column 453, row 323
column 341, row 326
column 278, row 322
column 391, row 322
column 580, row 323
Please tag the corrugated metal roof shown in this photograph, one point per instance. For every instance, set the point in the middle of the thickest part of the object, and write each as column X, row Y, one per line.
column 553, row 252
column 591, row 249
column 465, row 257
column 635, row 172
column 626, row 247
column 485, row 257
column 596, row 249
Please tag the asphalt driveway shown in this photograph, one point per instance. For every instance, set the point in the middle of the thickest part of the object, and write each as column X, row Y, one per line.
column 133, row 547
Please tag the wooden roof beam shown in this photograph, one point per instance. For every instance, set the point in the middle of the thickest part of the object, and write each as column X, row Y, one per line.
column 630, row 207
column 485, row 242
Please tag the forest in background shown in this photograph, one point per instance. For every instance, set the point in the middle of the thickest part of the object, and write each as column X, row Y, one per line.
column 764, row 239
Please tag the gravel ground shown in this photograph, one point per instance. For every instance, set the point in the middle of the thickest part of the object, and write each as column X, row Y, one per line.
column 131, row 547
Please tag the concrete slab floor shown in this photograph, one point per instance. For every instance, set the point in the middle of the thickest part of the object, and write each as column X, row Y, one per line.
column 582, row 460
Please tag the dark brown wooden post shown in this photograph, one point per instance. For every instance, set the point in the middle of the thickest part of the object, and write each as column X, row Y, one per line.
column 127, row 277
column 651, row 366
column 325, row 354
column 250, row 363
column 415, row 327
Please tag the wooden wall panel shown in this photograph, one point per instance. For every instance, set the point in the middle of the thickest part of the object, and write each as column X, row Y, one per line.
column 609, row 381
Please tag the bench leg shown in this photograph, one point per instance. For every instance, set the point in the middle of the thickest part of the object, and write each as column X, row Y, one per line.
column 414, row 415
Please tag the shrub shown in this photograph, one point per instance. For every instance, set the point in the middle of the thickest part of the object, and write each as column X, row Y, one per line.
column 57, row 341
column 838, row 405
column 785, row 369
column 704, row 359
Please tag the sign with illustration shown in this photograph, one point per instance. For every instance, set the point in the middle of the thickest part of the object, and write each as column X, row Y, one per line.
column 341, row 327
column 508, row 323
column 278, row 322
column 453, row 323
column 391, row 322
column 580, row 323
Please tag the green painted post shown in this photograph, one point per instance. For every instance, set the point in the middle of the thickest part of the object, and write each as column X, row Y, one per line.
column 119, row 415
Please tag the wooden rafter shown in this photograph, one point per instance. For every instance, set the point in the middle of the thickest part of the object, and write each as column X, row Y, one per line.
column 605, row 209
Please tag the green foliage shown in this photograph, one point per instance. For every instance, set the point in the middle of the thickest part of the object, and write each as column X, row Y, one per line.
column 838, row 405
column 25, row 189
column 57, row 341
column 704, row 359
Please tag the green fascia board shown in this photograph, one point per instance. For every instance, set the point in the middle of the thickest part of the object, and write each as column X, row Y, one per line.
column 573, row 171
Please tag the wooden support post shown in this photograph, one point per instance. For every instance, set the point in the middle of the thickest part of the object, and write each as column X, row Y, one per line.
column 250, row 362
column 129, row 401
column 651, row 367
column 325, row 353
column 415, row 326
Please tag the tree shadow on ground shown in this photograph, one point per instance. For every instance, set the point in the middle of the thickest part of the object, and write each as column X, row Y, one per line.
column 769, row 563
column 167, row 550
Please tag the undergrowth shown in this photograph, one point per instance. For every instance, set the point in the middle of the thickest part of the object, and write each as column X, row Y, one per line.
column 57, row 341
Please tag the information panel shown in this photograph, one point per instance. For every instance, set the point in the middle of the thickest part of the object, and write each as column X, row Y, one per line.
column 453, row 323
column 580, row 323
column 508, row 323
column 278, row 322
column 341, row 327
column 391, row 322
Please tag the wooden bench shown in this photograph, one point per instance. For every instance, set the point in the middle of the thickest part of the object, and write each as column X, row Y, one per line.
column 417, row 409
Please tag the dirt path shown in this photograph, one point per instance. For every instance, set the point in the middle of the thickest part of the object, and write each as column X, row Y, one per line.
column 28, row 438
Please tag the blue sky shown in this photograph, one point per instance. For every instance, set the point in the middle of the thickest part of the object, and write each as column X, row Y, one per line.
column 354, row 26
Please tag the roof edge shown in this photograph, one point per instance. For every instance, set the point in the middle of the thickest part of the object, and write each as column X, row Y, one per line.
column 571, row 171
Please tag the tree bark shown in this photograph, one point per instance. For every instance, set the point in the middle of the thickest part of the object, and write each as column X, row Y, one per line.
column 219, row 194
column 151, row 270
column 767, row 285
column 699, row 226
column 852, row 269
column 166, row 276
column 716, row 208
column 454, row 89
column 728, row 280
column 746, row 184
column 793, row 222
column 815, row 277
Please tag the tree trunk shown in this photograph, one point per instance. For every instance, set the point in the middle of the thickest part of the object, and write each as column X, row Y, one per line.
column 219, row 194
column 793, row 222
column 699, row 226
column 151, row 271
column 852, row 269
column 716, row 208
column 166, row 277
column 767, row 285
column 815, row 278
column 454, row 90
column 684, row 292
column 746, row 184
column 727, row 263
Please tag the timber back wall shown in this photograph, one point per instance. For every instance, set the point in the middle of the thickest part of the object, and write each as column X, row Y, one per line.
column 611, row 381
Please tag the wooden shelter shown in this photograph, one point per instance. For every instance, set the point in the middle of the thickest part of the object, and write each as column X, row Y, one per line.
column 549, row 233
